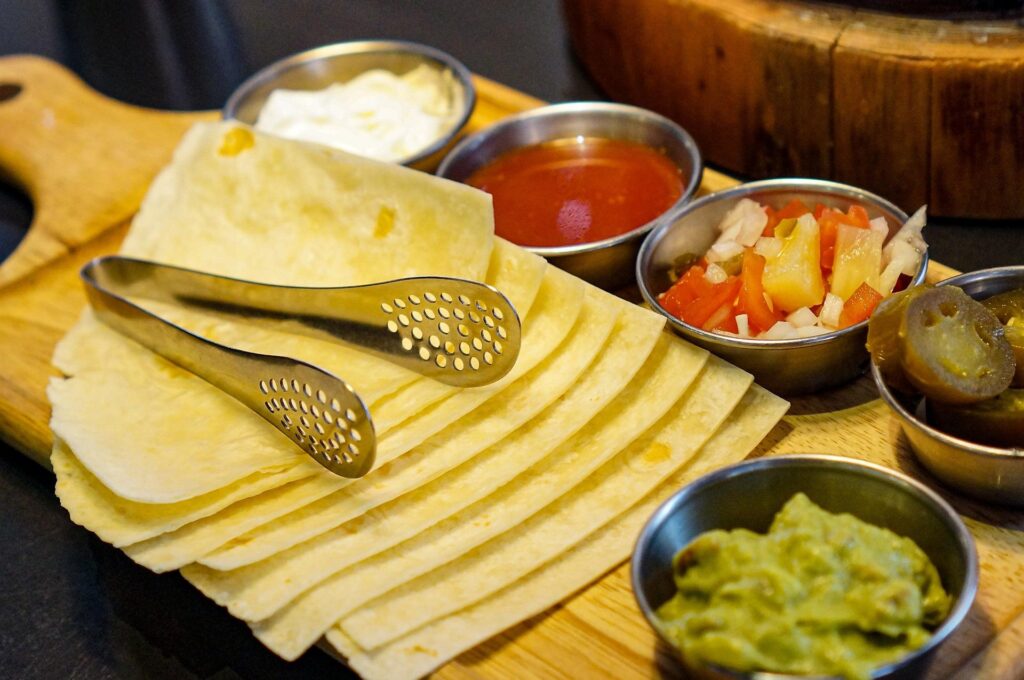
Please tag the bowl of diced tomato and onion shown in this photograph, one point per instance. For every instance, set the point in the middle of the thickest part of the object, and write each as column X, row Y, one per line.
column 780, row 276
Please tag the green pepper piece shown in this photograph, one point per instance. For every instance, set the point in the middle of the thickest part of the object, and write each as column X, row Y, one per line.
column 681, row 264
column 733, row 266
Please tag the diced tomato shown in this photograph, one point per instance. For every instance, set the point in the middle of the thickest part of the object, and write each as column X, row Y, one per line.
column 691, row 286
column 700, row 310
column 773, row 219
column 793, row 209
column 829, row 229
column 723, row 318
column 858, row 217
column 675, row 299
column 695, row 281
column 684, row 291
column 751, row 299
column 859, row 306
column 829, row 222
column 819, row 209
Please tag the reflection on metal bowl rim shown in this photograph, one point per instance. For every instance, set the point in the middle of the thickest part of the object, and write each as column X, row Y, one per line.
column 463, row 154
column 260, row 84
column 689, row 500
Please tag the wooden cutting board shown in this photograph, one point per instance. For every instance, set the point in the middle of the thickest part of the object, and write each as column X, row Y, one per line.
column 86, row 161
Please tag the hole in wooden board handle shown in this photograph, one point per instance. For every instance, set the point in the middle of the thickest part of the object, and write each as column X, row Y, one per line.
column 9, row 91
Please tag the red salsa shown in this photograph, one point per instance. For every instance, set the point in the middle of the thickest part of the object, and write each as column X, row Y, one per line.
column 577, row 190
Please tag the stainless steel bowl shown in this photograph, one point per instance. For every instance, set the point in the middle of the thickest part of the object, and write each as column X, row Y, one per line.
column 787, row 367
column 320, row 67
column 607, row 263
column 989, row 473
column 749, row 494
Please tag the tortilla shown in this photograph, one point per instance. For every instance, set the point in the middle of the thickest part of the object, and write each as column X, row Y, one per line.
column 547, row 326
column 88, row 346
column 291, row 213
column 175, row 549
column 252, row 598
column 121, row 522
column 430, row 647
column 625, row 352
column 670, row 369
column 270, row 584
column 99, row 356
column 600, row 498
column 193, row 542
column 137, row 452
column 518, row 274
column 269, row 210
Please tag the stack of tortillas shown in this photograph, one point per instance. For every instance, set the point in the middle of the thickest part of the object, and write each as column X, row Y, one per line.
column 487, row 505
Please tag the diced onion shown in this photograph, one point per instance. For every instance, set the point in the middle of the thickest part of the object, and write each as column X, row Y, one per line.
column 715, row 274
column 744, row 223
column 782, row 330
column 802, row 317
column 880, row 225
column 908, row 235
column 907, row 255
column 724, row 250
column 768, row 246
column 830, row 311
column 742, row 326
column 890, row 275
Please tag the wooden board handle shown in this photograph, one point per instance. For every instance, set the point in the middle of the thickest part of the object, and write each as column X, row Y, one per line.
column 84, row 160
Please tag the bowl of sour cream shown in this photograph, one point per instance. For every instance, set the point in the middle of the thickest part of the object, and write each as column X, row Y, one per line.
column 393, row 101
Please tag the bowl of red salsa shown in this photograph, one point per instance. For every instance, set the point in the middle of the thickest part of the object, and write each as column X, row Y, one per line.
column 780, row 276
column 581, row 183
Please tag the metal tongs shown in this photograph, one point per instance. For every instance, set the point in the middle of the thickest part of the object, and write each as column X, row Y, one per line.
column 456, row 331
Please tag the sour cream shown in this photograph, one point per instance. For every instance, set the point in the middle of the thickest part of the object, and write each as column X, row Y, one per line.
column 377, row 114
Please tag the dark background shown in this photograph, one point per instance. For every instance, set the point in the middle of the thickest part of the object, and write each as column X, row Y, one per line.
column 71, row 606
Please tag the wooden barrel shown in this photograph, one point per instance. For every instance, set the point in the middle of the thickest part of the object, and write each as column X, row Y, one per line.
column 917, row 109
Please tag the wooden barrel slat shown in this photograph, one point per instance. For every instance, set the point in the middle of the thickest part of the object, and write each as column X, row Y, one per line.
column 920, row 110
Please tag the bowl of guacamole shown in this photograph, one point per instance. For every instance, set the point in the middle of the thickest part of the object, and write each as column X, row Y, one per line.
column 805, row 566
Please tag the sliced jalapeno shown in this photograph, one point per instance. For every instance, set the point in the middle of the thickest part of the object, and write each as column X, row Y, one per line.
column 953, row 348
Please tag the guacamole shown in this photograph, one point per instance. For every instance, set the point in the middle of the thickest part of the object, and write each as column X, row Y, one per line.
column 819, row 594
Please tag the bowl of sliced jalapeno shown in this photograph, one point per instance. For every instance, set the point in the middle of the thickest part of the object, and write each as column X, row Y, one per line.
column 949, row 361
